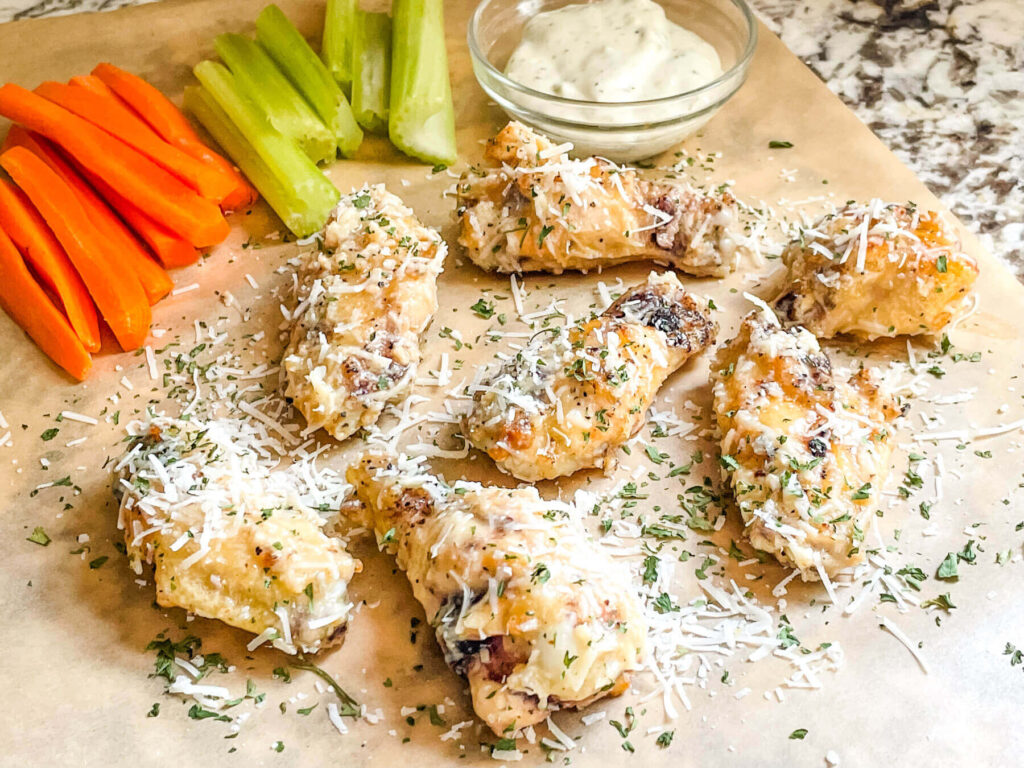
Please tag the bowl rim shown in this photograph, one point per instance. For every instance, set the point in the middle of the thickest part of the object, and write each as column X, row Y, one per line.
column 741, row 64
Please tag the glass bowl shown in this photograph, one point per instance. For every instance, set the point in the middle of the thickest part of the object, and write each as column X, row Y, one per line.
column 620, row 131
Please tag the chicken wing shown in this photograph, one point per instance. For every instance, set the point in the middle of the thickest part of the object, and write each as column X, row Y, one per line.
column 364, row 301
column 876, row 270
column 805, row 447
column 571, row 397
column 535, row 209
column 524, row 604
column 227, row 539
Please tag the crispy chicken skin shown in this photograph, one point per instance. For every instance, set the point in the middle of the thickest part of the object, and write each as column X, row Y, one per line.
column 364, row 300
column 876, row 270
column 805, row 448
column 533, row 209
column 226, row 541
column 524, row 604
column 571, row 397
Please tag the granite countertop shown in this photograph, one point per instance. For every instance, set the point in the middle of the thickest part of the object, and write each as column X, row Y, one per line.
column 940, row 81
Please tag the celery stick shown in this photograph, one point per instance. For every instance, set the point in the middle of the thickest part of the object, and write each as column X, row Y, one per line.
column 422, row 119
column 300, row 65
column 289, row 181
column 259, row 79
column 371, row 70
column 217, row 123
column 336, row 48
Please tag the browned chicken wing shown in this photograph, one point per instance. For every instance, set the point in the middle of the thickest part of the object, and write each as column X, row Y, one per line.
column 876, row 270
column 533, row 208
column 364, row 301
column 572, row 396
column 227, row 540
column 533, row 613
column 805, row 447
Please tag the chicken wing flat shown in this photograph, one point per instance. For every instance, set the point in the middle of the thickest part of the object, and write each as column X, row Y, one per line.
column 226, row 541
column 805, row 448
column 365, row 298
column 877, row 270
column 532, row 208
column 524, row 604
column 572, row 396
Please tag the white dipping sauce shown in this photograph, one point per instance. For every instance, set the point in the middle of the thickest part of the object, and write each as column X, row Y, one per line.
column 611, row 50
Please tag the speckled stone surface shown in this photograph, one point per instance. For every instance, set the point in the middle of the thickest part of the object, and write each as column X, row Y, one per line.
column 940, row 81
column 942, row 84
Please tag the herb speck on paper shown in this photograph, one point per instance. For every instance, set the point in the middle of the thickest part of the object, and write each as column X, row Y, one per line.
column 38, row 536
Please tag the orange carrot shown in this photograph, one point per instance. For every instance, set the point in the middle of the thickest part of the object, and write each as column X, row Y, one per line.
column 33, row 238
column 172, row 125
column 170, row 249
column 94, row 84
column 155, row 108
column 111, row 282
column 119, row 121
column 133, row 175
column 154, row 279
column 29, row 306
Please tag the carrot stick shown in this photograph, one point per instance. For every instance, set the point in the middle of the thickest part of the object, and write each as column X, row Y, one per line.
column 155, row 281
column 33, row 238
column 155, row 108
column 172, row 125
column 29, row 306
column 94, row 84
column 170, row 249
column 112, row 283
column 108, row 113
column 133, row 175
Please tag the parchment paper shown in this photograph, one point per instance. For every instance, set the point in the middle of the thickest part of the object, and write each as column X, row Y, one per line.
column 72, row 637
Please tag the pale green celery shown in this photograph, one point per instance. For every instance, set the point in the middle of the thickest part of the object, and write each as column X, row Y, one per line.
column 259, row 78
column 336, row 49
column 422, row 119
column 217, row 123
column 288, row 180
column 371, row 71
column 307, row 73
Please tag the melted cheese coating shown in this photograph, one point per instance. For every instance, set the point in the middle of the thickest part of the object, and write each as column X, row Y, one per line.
column 226, row 541
column 805, row 448
column 535, row 209
column 524, row 604
column 364, row 301
column 876, row 270
column 571, row 397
